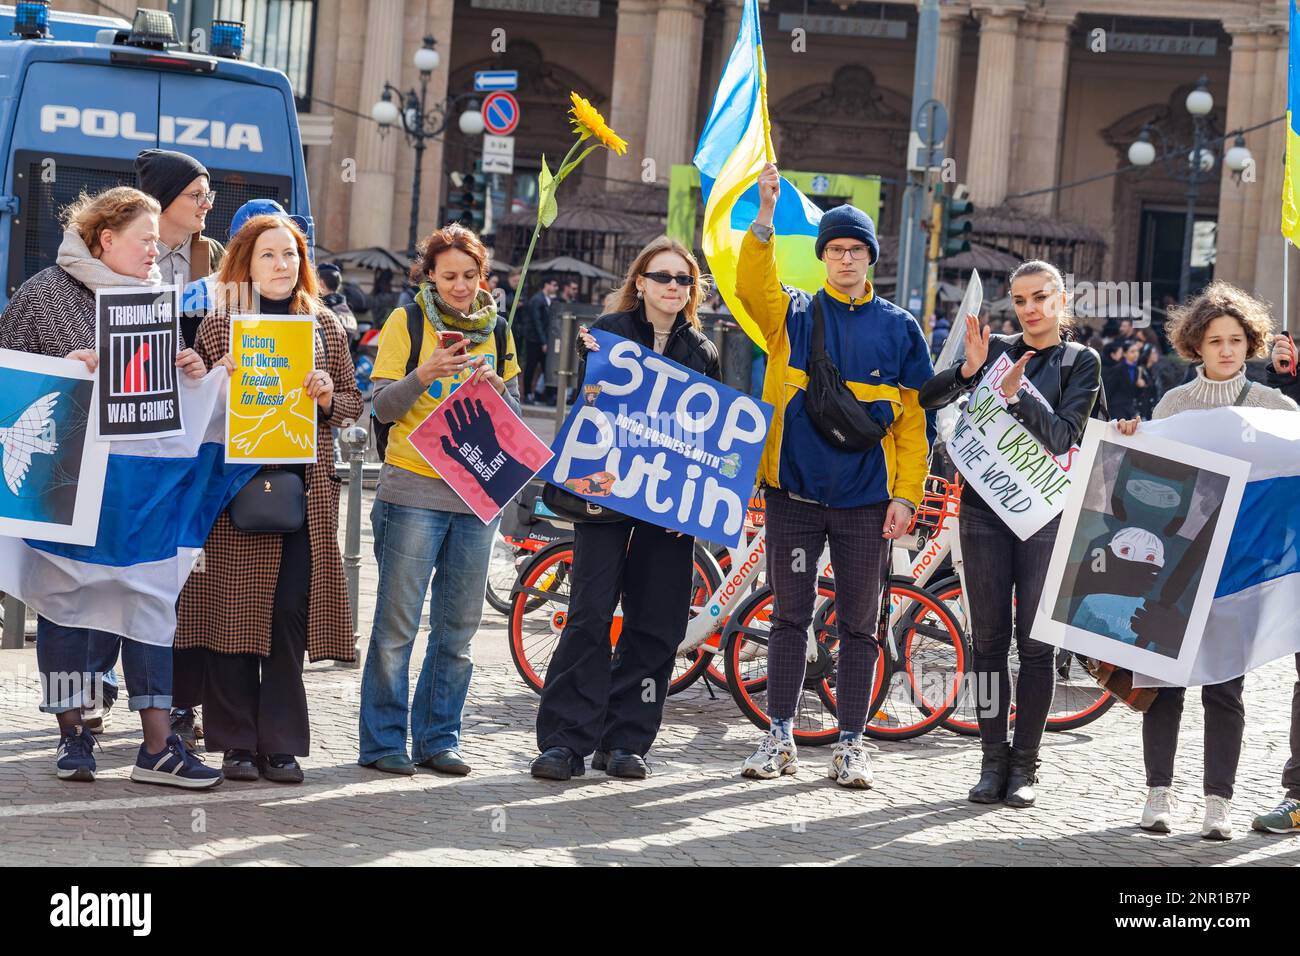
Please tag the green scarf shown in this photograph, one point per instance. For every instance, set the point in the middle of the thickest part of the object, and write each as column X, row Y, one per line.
column 476, row 324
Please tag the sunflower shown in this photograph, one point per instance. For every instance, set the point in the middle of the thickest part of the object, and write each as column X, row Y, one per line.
column 587, row 121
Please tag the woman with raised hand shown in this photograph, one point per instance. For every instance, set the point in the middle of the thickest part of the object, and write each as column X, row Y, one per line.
column 1002, row 568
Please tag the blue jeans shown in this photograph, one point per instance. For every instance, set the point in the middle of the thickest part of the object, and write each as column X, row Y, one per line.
column 74, row 660
column 410, row 543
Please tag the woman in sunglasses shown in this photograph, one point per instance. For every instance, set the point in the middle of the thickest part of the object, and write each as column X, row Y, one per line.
column 589, row 706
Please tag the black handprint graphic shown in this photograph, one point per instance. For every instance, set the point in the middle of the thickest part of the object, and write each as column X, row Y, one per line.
column 474, row 445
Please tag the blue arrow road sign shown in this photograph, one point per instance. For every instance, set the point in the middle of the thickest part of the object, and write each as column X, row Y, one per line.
column 485, row 80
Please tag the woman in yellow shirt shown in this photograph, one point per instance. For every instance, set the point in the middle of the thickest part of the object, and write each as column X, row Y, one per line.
column 422, row 529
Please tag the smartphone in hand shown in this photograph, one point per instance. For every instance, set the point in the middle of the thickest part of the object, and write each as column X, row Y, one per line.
column 451, row 340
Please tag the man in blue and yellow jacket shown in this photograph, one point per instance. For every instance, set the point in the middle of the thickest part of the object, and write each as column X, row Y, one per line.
column 858, row 501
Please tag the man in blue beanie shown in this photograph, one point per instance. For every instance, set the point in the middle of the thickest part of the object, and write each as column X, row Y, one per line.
column 858, row 498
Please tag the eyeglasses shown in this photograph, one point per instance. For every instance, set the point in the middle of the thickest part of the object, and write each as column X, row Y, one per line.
column 663, row 278
column 836, row 253
column 200, row 198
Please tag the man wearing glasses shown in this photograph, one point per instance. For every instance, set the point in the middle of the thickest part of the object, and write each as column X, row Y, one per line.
column 856, row 493
column 181, row 185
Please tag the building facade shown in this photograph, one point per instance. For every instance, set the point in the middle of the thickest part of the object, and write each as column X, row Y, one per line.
column 1044, row 96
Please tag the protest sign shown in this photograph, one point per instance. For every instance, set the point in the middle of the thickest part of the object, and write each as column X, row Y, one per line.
column 1017, row 477
column 53, row 471
column 654, row 440
column 138, row 336
column 1138, row 554
column 479, row 446
column 270, row 418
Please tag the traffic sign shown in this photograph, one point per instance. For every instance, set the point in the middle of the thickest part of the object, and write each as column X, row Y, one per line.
column 500, row 113
column 498, row 154
column 486, row 80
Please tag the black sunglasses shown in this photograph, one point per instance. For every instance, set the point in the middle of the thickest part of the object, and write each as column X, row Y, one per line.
column 663, row 278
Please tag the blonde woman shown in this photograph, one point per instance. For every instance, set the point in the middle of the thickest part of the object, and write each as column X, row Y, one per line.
column 589, row 707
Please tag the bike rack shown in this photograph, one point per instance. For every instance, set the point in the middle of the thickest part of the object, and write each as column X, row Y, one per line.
column 940, row 501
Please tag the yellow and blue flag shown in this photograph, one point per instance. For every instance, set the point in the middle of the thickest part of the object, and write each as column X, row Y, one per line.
column 1291, row 174
column 735, row 145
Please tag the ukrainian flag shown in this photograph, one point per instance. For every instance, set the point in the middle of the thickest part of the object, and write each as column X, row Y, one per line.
column 735, row 144
column 1291, row 175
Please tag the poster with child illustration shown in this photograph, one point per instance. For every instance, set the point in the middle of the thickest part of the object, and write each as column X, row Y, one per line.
column 1139, row 551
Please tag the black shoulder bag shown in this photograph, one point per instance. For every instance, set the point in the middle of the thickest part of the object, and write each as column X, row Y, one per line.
column 274, row 500
column 834, row 410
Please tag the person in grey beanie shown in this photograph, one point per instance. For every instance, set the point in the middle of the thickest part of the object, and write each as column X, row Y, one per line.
column 183, row 189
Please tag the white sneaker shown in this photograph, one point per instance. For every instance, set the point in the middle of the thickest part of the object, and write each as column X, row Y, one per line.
column 1159, row 812
column 773, row 758
column 851, row 766
column 1218, row 819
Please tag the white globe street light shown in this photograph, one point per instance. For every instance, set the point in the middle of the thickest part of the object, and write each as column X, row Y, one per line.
column 1142, row 152
column 1199, row 101
column 471, row 121
column 385, row 112
column 427, row 58
column 1238, row 157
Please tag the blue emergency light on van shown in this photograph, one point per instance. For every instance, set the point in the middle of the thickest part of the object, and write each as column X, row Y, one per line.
column 32, row 19
column 228, row 39
column 84, row 99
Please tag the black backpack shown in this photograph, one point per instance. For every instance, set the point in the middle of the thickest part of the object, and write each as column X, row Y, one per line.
column 415, row 332
column 834, row 410
column 1101, row 410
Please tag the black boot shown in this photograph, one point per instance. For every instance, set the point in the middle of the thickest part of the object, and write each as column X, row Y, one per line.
column 1022, row 777
column 992, row 786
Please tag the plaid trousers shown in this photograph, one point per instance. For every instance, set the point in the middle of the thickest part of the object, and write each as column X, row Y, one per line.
column 797, row 531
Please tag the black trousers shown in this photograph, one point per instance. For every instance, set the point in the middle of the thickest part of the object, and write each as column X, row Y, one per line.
column 998, row 566
column 189, row 672
column 797, row 532
column 1225, row 723
column 259, row 703
column 1291, row 773
column 534, row 362
column 590, row 702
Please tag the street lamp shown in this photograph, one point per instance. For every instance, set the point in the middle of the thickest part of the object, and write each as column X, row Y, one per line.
column 1196, row 168
column 421, row 121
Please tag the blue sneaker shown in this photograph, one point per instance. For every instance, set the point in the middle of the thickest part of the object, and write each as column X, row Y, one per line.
column 75, row 758
column 175, row 766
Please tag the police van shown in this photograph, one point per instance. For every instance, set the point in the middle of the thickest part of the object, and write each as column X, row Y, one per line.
column 84, row 94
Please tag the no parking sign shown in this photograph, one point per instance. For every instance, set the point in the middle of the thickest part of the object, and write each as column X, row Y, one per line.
column 500, row 113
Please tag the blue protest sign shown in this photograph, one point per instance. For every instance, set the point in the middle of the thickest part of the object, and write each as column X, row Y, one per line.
column 653, row 440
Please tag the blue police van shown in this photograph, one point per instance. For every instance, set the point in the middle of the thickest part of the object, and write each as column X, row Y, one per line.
column 82, row 95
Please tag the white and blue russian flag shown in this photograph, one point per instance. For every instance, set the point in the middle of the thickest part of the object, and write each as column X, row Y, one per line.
column 161, row 499
column 1255, row 617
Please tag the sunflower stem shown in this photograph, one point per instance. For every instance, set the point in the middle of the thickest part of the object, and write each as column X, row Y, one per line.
column 532, row 243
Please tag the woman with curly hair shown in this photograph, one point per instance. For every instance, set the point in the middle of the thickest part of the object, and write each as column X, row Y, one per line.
column 1221, row 328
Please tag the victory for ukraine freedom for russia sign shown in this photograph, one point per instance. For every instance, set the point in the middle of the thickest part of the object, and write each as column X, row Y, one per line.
column 1004, row 462
column 653, row 440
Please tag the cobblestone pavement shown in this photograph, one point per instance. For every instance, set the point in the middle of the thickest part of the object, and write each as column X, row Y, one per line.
column 695, row 809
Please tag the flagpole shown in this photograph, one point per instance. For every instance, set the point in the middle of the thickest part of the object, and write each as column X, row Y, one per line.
column 1286, row 284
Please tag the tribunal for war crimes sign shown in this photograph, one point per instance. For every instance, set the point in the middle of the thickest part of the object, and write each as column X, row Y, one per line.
column 1004, row 462
column 653, row 440
column 270, row 418
column 138, row 337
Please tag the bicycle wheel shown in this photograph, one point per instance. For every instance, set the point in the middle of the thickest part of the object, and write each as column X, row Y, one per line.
column 921, row 677
column 1077, row 699
column 501, row 574
column 539, row 610
column 744, row 652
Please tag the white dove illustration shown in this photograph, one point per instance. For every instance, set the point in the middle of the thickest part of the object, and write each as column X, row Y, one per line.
column 32, row 434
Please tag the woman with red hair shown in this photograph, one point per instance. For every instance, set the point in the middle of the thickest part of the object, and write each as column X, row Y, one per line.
column 260, row 601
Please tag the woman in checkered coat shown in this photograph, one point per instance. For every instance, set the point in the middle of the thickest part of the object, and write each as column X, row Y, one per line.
column 258, row 602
